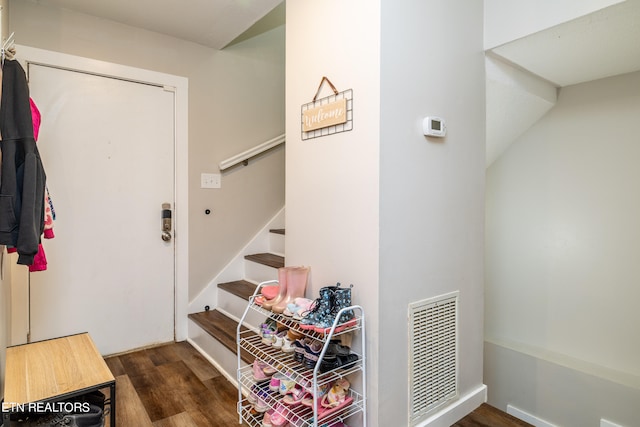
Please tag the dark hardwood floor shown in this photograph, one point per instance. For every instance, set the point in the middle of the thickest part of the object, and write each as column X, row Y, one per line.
column 171, row 385
column 174, row 386
column 488, row 416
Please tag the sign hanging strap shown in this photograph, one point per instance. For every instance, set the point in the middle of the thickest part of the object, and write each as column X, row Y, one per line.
column 324, row 79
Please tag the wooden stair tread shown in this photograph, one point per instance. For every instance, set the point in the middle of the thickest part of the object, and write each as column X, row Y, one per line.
column 277, row 231
column 271, row 260
column 222, row 328
column 239, row 288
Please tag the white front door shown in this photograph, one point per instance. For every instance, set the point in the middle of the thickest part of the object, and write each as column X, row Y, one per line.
column 107, row 146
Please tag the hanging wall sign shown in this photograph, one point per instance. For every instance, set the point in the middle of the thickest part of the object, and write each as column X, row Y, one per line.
column 331, row 114
column 326, row 116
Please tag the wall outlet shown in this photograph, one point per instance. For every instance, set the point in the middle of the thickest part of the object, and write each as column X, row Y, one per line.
column 210, row 180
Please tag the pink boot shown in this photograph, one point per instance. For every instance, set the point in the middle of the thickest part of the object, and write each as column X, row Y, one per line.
column 282, row 292
column 296, row 287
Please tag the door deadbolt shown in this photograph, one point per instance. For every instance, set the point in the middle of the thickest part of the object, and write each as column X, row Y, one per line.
column 166, row 222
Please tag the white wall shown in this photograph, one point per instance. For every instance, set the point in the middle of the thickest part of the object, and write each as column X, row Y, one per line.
column 507, row 20
column 380, row 206
column 431, row 190
column 236, row 101
column 332, row 182
column 562, row 248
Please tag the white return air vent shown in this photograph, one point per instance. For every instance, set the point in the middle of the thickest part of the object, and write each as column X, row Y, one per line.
column 433, row 354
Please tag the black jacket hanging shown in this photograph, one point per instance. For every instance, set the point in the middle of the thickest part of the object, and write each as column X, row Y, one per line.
column 22, row 178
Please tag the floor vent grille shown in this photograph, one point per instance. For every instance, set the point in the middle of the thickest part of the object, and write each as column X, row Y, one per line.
column 433, row 354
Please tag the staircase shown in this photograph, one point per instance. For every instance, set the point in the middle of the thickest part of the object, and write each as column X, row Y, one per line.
column 212, row 331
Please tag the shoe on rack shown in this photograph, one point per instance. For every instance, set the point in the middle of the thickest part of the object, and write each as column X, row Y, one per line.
column 286, row 385
column 268, row 330
column 294, row 396
column 339, row 313
column 287, row 345
column 312, row 353
column 319, row 309
column 266, row 419
column 268, row 370
column 336, row 347
column 267, row 293
column 336, row 399
column 268, row 304
column 296, row 287
column 261, row 371
column 270, row 291
column 274, row 382
column 261, row 405
column 294, row 335
column 280, row 416
column 268, row 337
column 304, row 306
column 334, row 361
column 278, row 339
column 257, row 391
column 299, row 348
column 296, row 308
column 321, row 390
column 289, row 310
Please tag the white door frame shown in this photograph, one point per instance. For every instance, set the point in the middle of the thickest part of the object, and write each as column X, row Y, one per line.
column 180, row 86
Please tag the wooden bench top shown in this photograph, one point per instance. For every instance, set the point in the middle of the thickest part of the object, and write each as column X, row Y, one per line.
column 46, row 369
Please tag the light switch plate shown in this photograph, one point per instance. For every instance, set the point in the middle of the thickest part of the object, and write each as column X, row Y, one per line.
column 210, row 180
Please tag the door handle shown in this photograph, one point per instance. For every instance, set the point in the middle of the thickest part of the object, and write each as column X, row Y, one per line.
column 166, row 222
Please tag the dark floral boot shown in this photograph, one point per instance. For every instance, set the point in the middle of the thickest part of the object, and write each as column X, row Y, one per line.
column 346, row 319
column 320, row 308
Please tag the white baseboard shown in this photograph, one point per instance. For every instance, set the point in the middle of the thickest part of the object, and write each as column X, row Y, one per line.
column 457, row 410
column 531, row 419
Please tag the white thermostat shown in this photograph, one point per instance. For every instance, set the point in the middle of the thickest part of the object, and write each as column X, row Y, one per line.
column 434, row 126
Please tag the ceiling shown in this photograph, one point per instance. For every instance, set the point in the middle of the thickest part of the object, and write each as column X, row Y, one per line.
column 212, row 23
column 601, row 44
column 523, row 76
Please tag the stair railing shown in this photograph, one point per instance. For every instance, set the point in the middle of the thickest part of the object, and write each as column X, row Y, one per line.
column 252, row 152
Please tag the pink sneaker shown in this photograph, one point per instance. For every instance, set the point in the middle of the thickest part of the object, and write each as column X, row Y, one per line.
column 303, row 306
column 294, row 396
column 274, row 384
column 261, row 371
column 279, row 416
column 266, row 420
